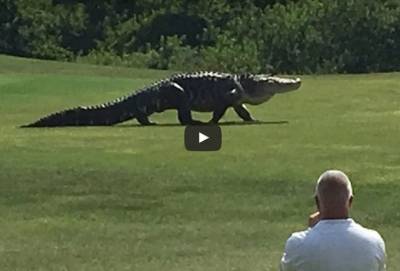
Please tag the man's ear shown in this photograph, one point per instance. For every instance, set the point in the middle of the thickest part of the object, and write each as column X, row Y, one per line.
column 350, row 201
column 317, row 201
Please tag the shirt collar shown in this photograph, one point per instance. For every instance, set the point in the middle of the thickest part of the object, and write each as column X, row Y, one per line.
column 335, row 221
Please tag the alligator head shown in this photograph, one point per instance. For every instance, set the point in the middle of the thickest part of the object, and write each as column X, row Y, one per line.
column 258, row 88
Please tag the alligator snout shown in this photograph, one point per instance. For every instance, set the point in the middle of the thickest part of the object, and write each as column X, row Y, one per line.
column 290, row 84
column 297, row 83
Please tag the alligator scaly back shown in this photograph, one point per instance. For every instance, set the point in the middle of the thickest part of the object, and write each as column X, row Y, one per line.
column 103, row 114
column 185, row 92
column 106, row 114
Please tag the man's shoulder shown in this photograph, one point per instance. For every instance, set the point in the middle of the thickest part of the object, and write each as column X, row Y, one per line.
column 372, row 239
column 299, row 235
column 297, row 238
column 370, row 234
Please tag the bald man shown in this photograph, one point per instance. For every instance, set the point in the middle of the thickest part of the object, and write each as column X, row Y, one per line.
column 334, row 242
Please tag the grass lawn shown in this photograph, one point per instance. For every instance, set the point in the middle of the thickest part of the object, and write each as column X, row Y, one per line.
column 132, row 198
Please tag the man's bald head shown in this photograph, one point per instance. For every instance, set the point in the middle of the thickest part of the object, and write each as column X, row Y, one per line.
column 334, row 191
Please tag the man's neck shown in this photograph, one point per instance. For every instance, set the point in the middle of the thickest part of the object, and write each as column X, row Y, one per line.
column 334, row 215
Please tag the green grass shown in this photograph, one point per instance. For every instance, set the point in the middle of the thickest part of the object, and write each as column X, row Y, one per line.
column 131, row 198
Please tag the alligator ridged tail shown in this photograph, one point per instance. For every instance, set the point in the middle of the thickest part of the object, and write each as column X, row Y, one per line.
column 100, row 115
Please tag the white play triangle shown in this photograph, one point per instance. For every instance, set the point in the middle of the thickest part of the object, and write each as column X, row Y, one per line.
column 202, row 137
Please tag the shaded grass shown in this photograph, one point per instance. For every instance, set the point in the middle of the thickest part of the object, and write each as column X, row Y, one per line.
column 128, row 197
column 19, row 65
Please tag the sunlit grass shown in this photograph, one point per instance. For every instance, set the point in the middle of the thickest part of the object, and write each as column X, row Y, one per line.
column 131, row 198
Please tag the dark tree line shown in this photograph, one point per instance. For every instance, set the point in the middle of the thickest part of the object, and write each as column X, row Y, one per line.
column 304, row 36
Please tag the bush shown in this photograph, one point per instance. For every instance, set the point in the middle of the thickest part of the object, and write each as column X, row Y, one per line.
column 288, row 36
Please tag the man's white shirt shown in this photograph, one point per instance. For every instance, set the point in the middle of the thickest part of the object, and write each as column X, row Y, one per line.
column 334, row 245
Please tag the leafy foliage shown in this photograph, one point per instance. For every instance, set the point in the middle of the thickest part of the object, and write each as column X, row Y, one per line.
column 310, row 36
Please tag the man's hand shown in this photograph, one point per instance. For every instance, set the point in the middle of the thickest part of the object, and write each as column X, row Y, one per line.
column 313, row 219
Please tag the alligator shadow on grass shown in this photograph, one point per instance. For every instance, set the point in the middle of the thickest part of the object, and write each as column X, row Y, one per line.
column 227, row 123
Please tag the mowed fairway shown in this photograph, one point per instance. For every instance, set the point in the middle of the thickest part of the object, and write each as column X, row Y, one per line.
column 132, row 198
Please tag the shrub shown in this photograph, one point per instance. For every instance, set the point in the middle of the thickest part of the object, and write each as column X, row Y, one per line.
column 288, row 36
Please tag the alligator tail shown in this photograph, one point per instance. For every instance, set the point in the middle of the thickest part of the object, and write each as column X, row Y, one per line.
column 105, row 114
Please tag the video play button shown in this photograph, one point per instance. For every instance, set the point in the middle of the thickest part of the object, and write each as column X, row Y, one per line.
column 203, row 138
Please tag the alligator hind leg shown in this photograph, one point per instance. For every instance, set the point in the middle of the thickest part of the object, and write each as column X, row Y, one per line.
column 144, row 120
column 184, row 112
column 243, row 113
column 185, row 117
column 218, row 114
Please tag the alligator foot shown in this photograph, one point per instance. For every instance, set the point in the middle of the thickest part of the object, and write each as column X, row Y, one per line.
column 144, row 120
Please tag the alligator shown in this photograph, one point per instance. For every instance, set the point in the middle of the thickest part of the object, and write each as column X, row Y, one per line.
column 185, row 92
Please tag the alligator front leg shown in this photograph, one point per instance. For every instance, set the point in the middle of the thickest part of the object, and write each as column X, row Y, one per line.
column 243, row 112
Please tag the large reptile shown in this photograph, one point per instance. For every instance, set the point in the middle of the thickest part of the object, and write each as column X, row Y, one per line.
column 201, row 91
